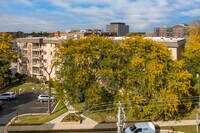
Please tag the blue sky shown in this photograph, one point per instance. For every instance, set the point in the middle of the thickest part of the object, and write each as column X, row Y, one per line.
column 63, row 15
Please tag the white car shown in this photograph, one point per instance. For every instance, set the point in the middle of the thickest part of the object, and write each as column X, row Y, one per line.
column 7, row 96
column 141, row 127
column 45, row 98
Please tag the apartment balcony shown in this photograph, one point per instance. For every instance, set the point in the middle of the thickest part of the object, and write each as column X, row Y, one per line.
column 37, row 72
column 37, row 64
column 25, row 48
column 36, row 48
column 23, row 55
column 37, row 56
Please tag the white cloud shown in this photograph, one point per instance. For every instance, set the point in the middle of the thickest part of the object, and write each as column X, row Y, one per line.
column 146, row 12
column 27, row 24
column 25, row 2
column 192, row 12
column 139, row 14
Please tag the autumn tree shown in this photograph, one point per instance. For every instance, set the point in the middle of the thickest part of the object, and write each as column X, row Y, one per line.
column 87, row 69
column 138, row 72
column 6, row 56
column 153, row 84
column 192, row 53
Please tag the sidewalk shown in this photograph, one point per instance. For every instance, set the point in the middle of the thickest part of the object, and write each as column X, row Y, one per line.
column 87, row 124
column 175, row 123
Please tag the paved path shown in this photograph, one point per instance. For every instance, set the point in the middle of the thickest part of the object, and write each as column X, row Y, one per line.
column 86, row 123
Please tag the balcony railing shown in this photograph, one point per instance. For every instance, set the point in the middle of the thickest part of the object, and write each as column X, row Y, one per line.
column 37, row 64
column 36, row 56
column 24, row 47
column 37, row 48
column 37, row 72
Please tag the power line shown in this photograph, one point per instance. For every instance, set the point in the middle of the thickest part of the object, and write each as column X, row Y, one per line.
column 147, row 100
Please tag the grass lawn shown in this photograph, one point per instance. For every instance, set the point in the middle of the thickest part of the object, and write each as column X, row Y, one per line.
column 102, row 116
column 191, row 115
column 28, row 86
column 40, row 119
column 106, row 116
column 185, row 129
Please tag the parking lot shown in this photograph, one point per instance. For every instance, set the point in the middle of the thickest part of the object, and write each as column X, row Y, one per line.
column 23, row 104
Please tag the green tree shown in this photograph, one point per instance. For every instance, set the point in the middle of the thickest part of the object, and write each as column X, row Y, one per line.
column 138, row 72
column 6, row 57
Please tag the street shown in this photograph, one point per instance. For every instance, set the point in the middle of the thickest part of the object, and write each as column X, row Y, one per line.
column 23, row 104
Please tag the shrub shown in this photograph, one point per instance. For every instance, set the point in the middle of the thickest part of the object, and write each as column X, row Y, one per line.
column 71, row 117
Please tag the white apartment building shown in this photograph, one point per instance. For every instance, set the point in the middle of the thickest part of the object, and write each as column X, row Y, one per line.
column 36, row 56
column 175, row 45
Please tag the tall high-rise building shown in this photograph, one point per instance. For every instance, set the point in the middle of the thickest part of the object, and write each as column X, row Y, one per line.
column 120, row 28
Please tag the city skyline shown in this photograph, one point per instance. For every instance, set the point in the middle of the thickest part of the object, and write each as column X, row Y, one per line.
column 63, row 15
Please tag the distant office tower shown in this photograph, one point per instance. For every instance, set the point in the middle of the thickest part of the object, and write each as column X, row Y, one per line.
column 163, row 31
column 120, row 28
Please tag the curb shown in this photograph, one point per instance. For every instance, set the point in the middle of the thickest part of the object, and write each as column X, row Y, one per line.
column 8, row 124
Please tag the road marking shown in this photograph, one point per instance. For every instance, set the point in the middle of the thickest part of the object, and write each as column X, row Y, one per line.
column 38, row 107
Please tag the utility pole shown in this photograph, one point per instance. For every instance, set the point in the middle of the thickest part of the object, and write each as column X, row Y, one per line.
column 121, row 118
column 197, row 123
column 197, row 115
column 197, row 76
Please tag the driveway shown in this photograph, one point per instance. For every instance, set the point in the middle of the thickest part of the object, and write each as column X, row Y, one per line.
column 23, row 104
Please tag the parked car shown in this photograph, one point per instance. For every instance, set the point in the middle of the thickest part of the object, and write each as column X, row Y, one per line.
column 141, row 127
column 7, row 96
column 45, row 98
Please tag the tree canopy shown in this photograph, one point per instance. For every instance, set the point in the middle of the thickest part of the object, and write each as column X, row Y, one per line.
column 138, row 72
column 6, row 56
column 192, row 51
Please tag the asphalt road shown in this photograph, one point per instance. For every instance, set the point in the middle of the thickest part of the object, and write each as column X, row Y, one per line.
column 23, row 104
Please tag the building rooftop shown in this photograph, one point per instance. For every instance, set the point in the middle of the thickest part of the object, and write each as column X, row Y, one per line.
column 169, row 42
column 117, row 23
column 37, row 39
column 164, row 39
